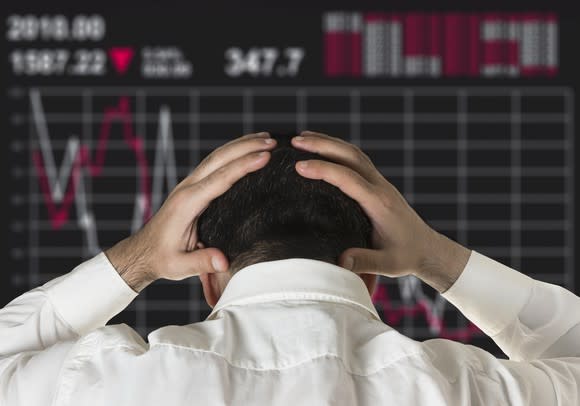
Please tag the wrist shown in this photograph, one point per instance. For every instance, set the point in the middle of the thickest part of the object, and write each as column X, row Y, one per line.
column 130, row 264
column 443, row 262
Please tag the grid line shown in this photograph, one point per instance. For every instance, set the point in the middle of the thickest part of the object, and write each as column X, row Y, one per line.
column 515, row 180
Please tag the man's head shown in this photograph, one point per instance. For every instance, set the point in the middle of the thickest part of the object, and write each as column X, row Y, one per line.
column 275, row 213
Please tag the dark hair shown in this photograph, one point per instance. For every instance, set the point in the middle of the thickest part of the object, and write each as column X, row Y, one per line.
column 275, row 213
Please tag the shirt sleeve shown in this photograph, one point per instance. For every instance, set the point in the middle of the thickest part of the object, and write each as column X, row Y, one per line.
column 536, row 324
column 38, row 328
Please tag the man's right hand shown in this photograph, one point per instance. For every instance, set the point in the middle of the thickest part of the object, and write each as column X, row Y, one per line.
column 402, row 243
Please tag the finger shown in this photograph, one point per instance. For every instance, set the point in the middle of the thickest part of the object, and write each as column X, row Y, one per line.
column 219, row 181
column 263, row 134
column 229, row 152
column 339, row 151
column 252, row 135
column 307, row 133
column 313, row 134
column 350, row 182
column 207, row 260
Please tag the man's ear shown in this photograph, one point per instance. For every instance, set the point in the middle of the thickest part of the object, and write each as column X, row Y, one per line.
column 213, row 285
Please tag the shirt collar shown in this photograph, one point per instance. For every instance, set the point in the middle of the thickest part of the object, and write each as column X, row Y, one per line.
column 294, row 278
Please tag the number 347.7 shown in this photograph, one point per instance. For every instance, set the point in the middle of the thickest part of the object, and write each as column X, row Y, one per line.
column 265, row 61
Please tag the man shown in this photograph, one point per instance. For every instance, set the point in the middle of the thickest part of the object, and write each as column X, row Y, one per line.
column 293, row 322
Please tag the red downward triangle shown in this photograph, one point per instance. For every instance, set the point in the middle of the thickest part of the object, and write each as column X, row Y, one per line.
column 121, row 58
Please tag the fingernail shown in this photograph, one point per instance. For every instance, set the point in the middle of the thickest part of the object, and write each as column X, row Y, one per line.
column 259, row 157
column 302, row 164
column 348, row 263
column 269, row 140
column 299, row 138
column 217, row 264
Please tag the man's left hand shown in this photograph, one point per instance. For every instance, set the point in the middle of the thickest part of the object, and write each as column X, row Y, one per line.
column 167, row 246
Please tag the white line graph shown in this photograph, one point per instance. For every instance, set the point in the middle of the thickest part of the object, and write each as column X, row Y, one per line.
column 164, row 162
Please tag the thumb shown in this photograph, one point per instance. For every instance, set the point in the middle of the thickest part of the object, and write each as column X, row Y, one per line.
column 362, row 260
column 207, row 260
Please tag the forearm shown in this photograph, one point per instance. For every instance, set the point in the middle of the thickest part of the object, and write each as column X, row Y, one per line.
column 443, row 262
column 39, row 328
column 31, row 323
column 130, row 265
column 527, row 319
column 64, row 308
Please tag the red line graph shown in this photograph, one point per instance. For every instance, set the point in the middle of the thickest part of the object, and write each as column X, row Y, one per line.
column 393, row 316
column 59, row 215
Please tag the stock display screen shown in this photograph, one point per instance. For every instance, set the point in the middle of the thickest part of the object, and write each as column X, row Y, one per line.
column 469, row 113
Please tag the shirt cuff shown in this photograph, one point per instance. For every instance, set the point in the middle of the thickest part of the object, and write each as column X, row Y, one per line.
column 90, row 295
column 489, row 293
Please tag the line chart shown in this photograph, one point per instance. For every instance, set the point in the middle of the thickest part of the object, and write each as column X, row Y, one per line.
column 130, row 146
column 61, row 190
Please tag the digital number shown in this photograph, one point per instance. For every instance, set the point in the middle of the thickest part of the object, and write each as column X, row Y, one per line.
column 88, row 28
column 294, row 56
column 45, row 62
column 55, row 28
column 39, row 61
column 266, row 61
column 89, row 62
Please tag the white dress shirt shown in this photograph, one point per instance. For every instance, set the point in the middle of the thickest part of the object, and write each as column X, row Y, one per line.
column 289, row 332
